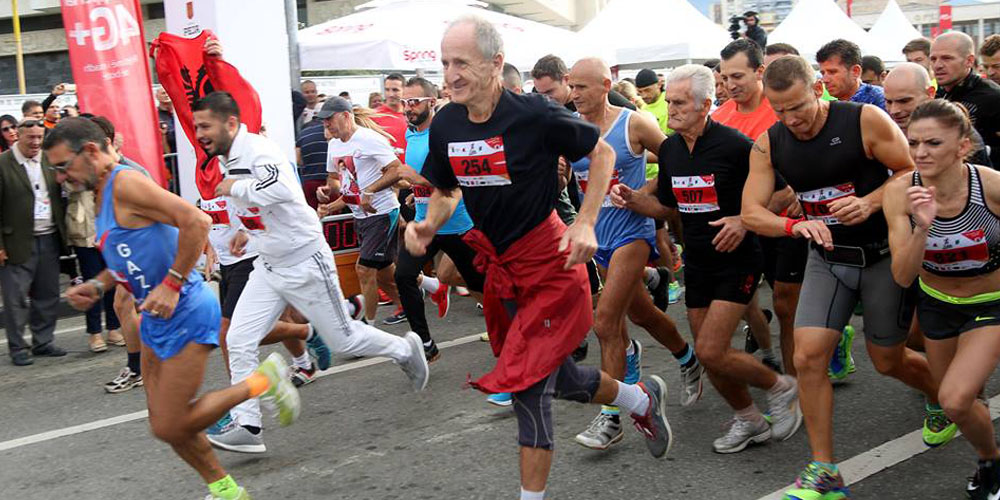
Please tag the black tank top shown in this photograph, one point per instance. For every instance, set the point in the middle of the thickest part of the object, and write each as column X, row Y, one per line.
column 968, row 244
column 829, row 166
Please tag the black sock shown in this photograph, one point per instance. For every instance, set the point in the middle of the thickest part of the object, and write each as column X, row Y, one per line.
column 686, row 353
column 253, row 429
column 133, row 363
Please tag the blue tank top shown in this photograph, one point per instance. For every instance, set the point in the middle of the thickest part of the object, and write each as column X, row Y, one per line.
column 138, row 258
column 618, row 226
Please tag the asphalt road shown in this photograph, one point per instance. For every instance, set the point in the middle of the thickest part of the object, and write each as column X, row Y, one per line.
column 363, row 435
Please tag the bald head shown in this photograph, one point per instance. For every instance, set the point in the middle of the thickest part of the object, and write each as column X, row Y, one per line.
column 907, row 86
column 952, row 58
column 589, row 84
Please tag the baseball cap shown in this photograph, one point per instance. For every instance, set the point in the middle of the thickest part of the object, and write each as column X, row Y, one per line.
column 645, row 78
column 333, row 105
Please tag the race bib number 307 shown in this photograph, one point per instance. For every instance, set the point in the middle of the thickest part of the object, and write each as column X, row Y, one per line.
column 479, row 163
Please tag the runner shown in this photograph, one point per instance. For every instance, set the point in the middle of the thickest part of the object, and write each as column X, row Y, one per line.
column 944, row 233
column 295, row 264
column 418, row 97
column 151, row 240
column 708, row 167
column 836, row 156
column 499, row 152
column 749, row 111
column 362, row 170
column 625, row 241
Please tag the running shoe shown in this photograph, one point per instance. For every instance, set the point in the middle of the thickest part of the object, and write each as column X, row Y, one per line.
column 398, row 317
column 431, row 352
column 479, row 307
column 580, row 353
column 679, row 263
column 125, row 380
column 694, row 385
column 461, row 291
column 281, row 393
column 240, row 495
column 503, row 399
column 301, row 376
column 786, row 417
column 317, row 347
column 741, row 434
column 358, row 302
column 383, row 298
column 633, row 363
column 674, row 292
column 654, row 425
column 604, row 431
column 842, row 362
column 415, row 366
column 237, row 438
column 484, row 337
column 938, row 428
column 816, row 482
column 220, row 425
column 442, row 299
column 661, row 294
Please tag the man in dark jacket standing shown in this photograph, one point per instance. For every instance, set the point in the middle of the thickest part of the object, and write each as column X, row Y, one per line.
column 953, row 61
column 32, row 233
column 754, row 32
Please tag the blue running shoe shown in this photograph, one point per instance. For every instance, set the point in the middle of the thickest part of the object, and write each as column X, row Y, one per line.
column 319, row 350
column 220, row 425
column 632, row 364
column 842, row 362
column 674, row 291
column 500, row 399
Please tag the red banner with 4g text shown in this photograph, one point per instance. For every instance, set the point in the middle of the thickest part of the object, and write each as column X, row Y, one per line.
column 107, row 51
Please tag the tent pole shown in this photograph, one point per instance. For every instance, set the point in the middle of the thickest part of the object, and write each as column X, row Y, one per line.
column 292, row 28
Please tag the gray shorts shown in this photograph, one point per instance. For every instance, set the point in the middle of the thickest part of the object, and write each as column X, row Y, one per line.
column 830, row 292
column 379, row 235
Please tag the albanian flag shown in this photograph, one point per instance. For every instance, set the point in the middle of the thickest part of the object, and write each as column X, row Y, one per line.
column 188, row 74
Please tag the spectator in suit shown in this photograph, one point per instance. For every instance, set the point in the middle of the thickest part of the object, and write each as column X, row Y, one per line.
column 32, row 219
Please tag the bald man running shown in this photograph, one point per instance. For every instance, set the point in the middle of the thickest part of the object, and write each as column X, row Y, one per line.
column 626, row 241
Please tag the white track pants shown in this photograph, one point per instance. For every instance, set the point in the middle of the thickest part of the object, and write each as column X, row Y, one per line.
column 313, row 289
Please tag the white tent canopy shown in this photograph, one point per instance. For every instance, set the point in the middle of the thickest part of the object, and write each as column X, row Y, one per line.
column 813, row 23
column 406, row 35
column 645, row 32
column 893, row 28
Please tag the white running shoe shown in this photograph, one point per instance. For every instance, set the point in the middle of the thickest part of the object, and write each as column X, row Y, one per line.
column 740, row 434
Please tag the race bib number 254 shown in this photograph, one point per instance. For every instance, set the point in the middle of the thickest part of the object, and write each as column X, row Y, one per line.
column 479, row 163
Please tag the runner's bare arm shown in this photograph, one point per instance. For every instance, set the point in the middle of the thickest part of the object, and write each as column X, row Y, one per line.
column 885, row 142
column 410, row 175
column 602, row 161
column 139, row 199
column 390, row 174
column 905, row 243
column 83, row 296
column 333, row 185
column 642, row 201
column 645, row 135
column 758, row 190
column 781, row 200
column 441, row 206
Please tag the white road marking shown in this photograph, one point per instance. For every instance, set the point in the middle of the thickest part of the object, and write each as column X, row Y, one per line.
column 75, row 329
column 880, row 458
column 139, row 415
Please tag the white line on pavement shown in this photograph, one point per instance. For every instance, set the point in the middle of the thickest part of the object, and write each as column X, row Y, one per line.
column 879, row 458
column 139, row 415
column 75, row 329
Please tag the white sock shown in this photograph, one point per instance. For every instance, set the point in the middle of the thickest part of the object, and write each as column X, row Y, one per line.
column 651, row 277
column 750, row 414
column 532, row 495
column 632, row 399
column 430, row 285
column 302, row 361
column 783, row 384
column 351, row 310
column 630, row 350
column 311, row 334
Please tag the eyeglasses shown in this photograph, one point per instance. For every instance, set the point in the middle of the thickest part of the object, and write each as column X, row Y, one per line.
column 31, row 123
column 414, row 101
column 8, row 128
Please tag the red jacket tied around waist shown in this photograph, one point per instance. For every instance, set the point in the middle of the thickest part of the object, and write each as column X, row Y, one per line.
column 554, row 309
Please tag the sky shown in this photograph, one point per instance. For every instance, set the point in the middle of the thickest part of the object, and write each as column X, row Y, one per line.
column 703, row 5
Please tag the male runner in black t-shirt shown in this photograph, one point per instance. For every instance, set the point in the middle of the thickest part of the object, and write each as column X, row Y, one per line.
column 499, row 152
column 708, row 166
column 835, row 155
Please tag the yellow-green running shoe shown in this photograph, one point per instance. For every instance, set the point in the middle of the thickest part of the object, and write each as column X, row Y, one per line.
column 842, row 362
column 241, row 495
column 281, row 394
column 817, row 482
column 938, row 428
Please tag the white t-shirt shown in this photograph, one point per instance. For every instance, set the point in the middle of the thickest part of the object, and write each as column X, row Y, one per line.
column 227, row 220
column 360, row 161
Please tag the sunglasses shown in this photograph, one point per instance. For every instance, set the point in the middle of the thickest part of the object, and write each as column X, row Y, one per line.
column 31, row 123
column 414, row 101
column 8, row 128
